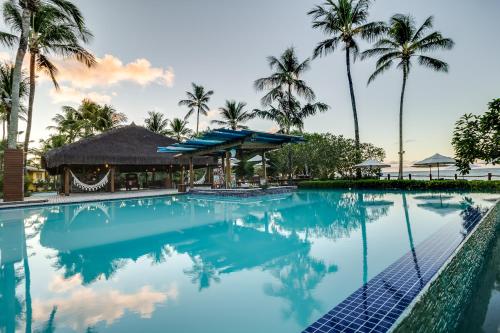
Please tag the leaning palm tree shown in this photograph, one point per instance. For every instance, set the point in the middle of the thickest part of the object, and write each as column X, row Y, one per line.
column 6, row 80
column 52, row 32
column 402, row 43
column 344, row 21
column 234, row 115
column 178, row 129
column 197, row 102
column 285, row 80
column 156, row 122
column 26, row 9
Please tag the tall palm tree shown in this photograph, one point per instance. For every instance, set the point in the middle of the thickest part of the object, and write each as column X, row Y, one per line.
column 178, row 129
column 26, row 10
column 6, row 80
column 52, row 32
column 197, row 102
column 234, row 115
column 156, row 122
column 344, row 21
column 403, row 42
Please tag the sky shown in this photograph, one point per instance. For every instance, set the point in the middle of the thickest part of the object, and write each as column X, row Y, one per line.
column 150, row 51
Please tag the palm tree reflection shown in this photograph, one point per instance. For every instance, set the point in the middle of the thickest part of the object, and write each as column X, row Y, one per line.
column 202, row 273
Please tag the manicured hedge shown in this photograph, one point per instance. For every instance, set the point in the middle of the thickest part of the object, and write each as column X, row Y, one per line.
column 461, row 185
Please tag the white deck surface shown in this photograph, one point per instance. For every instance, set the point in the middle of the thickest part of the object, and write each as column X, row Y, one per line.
column 86, row 197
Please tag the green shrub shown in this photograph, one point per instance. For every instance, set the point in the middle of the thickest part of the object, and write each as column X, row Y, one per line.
column 460, row 185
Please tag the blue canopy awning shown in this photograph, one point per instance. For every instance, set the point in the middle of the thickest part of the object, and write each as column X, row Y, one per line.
column 219, row 140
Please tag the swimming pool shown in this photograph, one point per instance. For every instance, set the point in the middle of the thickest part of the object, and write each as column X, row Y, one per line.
column 195, row 264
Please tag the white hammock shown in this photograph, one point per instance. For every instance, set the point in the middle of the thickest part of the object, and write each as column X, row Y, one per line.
column 201, row 180
column 91, row 188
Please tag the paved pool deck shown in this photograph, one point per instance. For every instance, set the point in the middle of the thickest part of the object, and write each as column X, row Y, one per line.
column 56, row 199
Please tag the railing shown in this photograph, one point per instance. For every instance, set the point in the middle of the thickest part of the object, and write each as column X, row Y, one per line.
column 488, row 176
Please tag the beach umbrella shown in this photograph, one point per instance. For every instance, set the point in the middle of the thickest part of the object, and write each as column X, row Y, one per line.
column 435, row 160
column 371, row 164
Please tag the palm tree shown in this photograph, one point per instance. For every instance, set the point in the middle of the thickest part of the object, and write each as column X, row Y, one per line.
column 278, row 113
column 88, row 119
column 26, row 10
column 156, row 122
column 67, row 124
column 197, row 101
column 6, row 80
column 344, row 21
column 403, row 42
column 234, row 115
column 178, row 129
column 285, row 80
column 53, row 32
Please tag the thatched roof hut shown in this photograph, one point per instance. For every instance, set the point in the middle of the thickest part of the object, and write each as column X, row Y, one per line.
column 130, row 148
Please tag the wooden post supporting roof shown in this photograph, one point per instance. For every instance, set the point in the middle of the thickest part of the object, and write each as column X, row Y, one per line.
column 264, row 166
column 112, row 180
column 168, row 183
column 228, row 169
column 191, row 173
column 67, row 184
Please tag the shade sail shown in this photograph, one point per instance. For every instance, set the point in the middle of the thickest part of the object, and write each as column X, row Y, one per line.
column 217, row 141
column 372, row 164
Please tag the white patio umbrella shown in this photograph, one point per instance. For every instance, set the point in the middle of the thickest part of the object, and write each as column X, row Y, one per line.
column 257, row 158
column 435, row 160
column 371, row 164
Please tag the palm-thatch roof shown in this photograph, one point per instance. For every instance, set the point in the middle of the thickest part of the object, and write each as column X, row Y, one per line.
column 130, row 147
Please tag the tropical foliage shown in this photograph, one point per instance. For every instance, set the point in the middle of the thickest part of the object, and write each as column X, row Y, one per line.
column 86, row 120
column 233, row 115
column 405, row 184
column 55, row 29
column 6, row 78
column 403, row 42
column 322, row 156
column 156, row 122
column 345, row 21
column 283, row 88
column 477, row 137
column 197, row 101
column 178, row 129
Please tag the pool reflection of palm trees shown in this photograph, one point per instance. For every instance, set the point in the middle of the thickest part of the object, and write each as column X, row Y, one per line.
column 271, row 240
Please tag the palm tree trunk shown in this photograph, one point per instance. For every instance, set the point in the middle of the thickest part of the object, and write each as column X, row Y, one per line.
column 290, row 171
column 30, row 105
column 197, row 121
column 16, row 77
column 354, row 110
column 3, row 130
column 401, row 151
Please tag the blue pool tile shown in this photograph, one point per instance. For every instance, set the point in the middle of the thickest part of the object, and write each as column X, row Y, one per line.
column 377, row 305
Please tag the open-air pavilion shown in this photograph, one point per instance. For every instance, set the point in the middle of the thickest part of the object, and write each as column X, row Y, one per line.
column 226, row 144
column 112, row 160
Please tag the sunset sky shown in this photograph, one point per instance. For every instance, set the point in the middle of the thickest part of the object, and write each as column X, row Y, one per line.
column 150, row 51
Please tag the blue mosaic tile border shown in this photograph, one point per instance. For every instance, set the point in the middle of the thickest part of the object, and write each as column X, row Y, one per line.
column 376, row 306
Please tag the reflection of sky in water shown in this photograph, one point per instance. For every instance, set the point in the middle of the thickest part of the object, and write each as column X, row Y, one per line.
column 190, row 265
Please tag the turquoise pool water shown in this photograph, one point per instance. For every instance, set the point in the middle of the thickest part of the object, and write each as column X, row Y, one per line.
column 187, row 264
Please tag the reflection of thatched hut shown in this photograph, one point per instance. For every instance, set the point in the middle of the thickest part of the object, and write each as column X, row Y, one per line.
column 127, row 149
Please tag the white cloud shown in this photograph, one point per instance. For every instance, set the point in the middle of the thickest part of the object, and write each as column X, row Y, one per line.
column 110, row 70
column 80, row 307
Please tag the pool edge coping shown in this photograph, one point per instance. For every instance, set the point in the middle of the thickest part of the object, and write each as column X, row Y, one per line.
column 45, row 204
column 407, row 312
